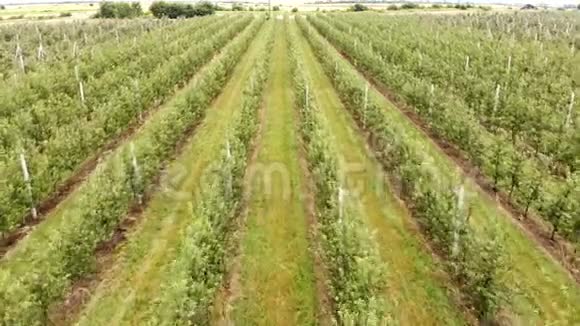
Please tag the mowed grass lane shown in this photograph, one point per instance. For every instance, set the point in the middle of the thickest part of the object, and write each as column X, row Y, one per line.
column 133, row 283
column 415, row 293
column 277, row 277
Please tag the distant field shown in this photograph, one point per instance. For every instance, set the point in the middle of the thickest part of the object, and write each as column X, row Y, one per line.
column 13, row 12
column 384, row 6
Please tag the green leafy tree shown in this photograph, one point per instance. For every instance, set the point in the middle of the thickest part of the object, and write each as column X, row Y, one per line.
column 172, row 10
column 531, row 190
column 410, row 5
column 560, row 209
column 109, row 9
column 498, row 163
column 204, row 9
column 359, row 7
column 482, row 274
column 515, row 171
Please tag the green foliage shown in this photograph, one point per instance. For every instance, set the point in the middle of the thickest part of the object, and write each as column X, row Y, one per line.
column 349, row 248
column 200, row 262
column 58, row 133
column 237, row 7
column 392, row 7
column 475, row 264
column 359, row 7
column 508, row 141
column 108, row 9
column 410, row 5
column 561, row 210
column 276, row 8
column 294, row 9
column 162, row 9
column 65, row 14
column 68, row 250
column 463, row 6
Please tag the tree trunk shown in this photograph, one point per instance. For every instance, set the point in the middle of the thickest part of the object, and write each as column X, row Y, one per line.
column 512, row 187
column 528, row 204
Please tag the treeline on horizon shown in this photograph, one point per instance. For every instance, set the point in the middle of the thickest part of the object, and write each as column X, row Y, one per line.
column 159, row 9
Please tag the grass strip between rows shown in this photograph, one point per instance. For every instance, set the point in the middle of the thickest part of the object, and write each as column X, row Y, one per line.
column 355, row 268
column 199, row 266
column 476, row 264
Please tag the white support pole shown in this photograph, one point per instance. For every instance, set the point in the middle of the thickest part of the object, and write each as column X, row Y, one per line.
column 458, row 220
column 19, row 55
column 26, row 175
column 41, row 55
column 136, row 171
column 75, row 49
column 228, row 150
column 81, row 87
column 138, row 96
column 466, row 63
column 230, row 176
column 509, row 65
column 496, row 99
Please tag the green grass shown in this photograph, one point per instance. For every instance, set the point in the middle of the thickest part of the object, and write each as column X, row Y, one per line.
column 542, row 291
column 277, row 277
column 415, row 292
column 124, row 295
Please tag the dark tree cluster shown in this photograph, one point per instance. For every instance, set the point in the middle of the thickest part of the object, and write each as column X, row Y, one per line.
column 162, row 9
column 109, row 9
